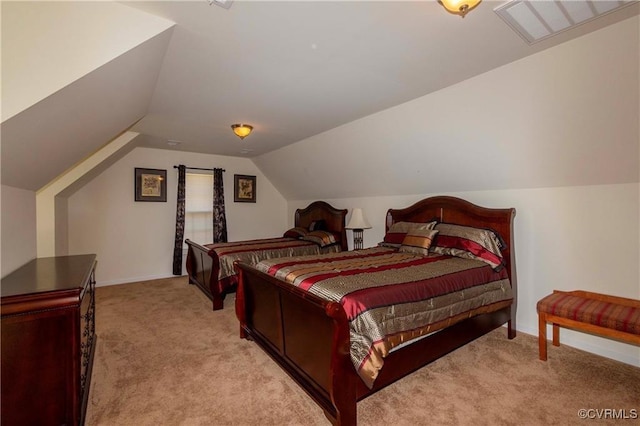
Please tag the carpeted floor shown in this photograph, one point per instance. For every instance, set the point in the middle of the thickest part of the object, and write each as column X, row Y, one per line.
column 164, row 358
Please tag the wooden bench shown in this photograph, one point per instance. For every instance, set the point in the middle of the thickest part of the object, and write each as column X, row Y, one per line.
column 607, row 316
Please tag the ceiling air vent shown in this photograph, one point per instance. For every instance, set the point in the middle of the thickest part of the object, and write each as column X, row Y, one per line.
column 536, row 20
column 222, row 3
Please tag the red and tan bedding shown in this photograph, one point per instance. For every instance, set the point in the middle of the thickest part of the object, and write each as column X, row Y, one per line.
column 391, row 297
column 253, row 251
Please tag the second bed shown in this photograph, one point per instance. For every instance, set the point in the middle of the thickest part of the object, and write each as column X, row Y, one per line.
column 318, row 228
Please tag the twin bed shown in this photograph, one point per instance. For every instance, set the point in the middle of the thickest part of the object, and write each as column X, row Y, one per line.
column 210, row 267
column 345, row 325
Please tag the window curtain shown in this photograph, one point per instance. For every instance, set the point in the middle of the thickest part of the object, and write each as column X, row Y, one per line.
column 219, row 215
column 177, row 248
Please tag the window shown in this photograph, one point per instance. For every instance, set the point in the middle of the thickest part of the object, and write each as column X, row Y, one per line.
column 198, row 222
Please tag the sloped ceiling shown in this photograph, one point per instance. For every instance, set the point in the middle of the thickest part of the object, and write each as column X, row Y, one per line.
column 68, row 92
column 294, row 70
column 61, row 130
column 567, row 116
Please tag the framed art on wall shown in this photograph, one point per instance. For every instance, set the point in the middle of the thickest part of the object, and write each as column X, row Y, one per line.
column 150, row 185
column 244, row 189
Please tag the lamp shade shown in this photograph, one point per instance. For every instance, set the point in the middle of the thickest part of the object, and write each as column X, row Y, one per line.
column 241, row 130
column 459, row 7
column 358, row 220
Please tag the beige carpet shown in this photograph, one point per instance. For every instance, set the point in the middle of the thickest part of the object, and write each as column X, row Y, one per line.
column 164, row 358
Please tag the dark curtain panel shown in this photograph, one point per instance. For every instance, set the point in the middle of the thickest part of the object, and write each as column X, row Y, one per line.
column 219, row 216
column 177, row 248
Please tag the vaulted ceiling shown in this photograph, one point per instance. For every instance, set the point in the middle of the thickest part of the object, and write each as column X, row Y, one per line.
column 292, row 69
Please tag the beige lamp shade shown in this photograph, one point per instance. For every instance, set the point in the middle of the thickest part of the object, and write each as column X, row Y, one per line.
column 358, row 220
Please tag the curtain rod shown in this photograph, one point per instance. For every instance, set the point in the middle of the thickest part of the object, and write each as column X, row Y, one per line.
column 198, row 168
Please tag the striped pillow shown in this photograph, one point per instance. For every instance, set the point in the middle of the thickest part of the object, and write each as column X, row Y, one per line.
column 471, row 243
column 321, row 238
column 418, row 241
column 296, row 232
column 397, row 231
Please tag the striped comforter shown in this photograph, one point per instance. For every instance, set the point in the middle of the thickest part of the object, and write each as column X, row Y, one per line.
column 253, row 251
column 392, row 297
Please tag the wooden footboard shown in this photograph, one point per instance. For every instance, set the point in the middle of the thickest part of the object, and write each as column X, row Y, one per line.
column 203, row 269
column 306, row 335
column 309, row 338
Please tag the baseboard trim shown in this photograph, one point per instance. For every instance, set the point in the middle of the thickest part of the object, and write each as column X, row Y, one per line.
column 134, row 280
column 574, row 339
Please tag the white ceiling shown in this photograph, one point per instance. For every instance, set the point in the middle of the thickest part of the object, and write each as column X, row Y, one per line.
column 294, row 69
column 58, row 132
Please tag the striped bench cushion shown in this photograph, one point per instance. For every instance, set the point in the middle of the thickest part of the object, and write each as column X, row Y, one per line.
column 592, row 311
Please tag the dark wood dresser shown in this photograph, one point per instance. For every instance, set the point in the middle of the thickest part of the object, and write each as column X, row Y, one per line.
column 48, row 340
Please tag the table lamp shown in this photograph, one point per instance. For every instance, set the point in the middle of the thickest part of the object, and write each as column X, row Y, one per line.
column 358, row 222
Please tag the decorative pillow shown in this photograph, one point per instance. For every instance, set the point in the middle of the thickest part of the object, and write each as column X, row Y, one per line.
column 397, row 231
column 297, row 232
column 318, row 225
column 471, row 243
column 418, row 241
column 321, row 238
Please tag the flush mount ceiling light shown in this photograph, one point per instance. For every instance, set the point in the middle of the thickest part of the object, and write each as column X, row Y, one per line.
column 459, row 7
column 242, row 130
column 537, row 20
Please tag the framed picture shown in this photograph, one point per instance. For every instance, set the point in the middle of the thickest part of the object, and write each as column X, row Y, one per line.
column 151, row 185
column 244, row 189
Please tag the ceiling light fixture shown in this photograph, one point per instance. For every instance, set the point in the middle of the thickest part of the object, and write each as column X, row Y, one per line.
column 459, row 7
column 242, row 130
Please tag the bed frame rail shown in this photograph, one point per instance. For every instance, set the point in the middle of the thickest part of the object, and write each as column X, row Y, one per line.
column 318, row 361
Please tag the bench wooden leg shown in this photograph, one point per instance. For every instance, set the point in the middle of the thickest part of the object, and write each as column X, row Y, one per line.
column 542, row 336
column 556, row 335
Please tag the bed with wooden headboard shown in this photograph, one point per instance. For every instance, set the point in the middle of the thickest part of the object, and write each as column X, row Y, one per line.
column 309, row 335
column 210, row 266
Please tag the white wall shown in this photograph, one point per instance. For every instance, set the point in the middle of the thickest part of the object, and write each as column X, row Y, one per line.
column 61, row 239
column 51, row 200
column 565, row 238
column 18, row 228
column 566, row 116
column 134, row 240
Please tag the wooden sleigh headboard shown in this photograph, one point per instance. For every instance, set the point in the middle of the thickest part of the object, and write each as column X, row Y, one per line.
column 461, row 212
column 335, row 219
